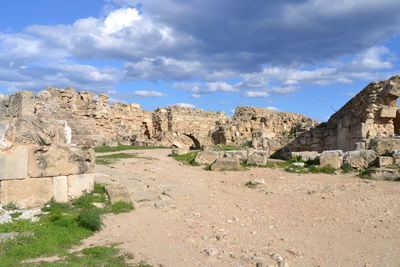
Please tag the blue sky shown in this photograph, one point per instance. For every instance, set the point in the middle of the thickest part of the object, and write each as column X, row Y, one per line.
column 305, row 56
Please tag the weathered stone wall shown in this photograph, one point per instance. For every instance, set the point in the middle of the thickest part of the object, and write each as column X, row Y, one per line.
column 88, row 119
column 372, row 113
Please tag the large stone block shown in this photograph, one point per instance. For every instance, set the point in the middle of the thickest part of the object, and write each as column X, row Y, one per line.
column 226, row 164
column 59, row 160
column 21, row 104
column 79, row 184
column 241, row 154
column 384, row 145
column 388, row 112
column 26, row 193
column 384, row 174
column 209, row 157
column 60, row 189
column 333, row 158
column 385, row 161
column 14, row 163
column 306, row 155
column 4, row 126
column 257, row 157
column 40, row 131
column 360, row 158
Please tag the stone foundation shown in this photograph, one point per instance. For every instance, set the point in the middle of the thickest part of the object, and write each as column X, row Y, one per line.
column 30, row 179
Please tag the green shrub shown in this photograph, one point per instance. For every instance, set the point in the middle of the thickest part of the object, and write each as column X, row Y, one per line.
column 10, row 206
column 90, row 219
column 122, row 206
column 347, row 168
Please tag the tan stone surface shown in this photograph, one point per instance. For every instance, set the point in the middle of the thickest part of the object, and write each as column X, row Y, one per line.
column 333, row 158
column 226, row 164
column 60, row 189
column 78, row 184
column 26, row 193
column 14, row 163
column 209, row 157
column 59, row 160
column 118, row 193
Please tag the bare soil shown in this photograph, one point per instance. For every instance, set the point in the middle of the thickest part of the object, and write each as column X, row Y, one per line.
column 183, row 212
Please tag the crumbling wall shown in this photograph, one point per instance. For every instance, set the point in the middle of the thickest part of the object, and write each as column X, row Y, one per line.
column 372, row 113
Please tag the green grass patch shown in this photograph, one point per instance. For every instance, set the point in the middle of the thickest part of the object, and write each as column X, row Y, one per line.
column 231, row 147
column 15, row 215
column 188, row 158
column 325, row 169
column 105, row 149
column 122, row 206
column 65, row 225
column 94, row 256
column 346, row 168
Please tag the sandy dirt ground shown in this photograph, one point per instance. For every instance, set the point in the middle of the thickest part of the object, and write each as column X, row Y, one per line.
column 187, row 216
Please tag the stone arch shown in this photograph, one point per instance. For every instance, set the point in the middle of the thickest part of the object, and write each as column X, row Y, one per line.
column 196, row 143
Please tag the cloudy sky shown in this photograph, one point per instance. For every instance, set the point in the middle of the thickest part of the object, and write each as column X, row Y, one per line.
column 305, row 56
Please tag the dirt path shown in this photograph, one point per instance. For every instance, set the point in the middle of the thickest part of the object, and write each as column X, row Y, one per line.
column 310, row 220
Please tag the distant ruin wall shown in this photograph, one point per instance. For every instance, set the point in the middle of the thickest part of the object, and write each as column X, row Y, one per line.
column 93, row 121
column 373, row 112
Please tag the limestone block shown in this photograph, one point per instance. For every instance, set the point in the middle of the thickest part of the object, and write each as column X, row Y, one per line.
column 396, row 153
column 60, row 189
column 384, row 173
column 4, row 126
column 257, row 157
column 333, row 158
column 226, row 164
column 388, row 112
column 305, row 155
column 21, row 104
column 384, row 145
column 79, row 184
column 57, row 160
column 209, row 157
column 111, row 143
column 118, row 193
column 14, row 163
column 241, row 154
column 360, row 158
column 26, row 193
column 385, row 161
column 179, row 151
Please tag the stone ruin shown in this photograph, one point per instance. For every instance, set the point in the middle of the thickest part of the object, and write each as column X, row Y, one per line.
column 45, row 139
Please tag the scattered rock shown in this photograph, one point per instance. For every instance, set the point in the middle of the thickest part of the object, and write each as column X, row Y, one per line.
column 298, row 164
column 257, row 181
column 211, row 251
column 117, row 193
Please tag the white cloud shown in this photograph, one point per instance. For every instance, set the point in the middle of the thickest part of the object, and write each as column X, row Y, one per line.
column 275, row 109
column 120, row 19
column 254, row 94
column 195, row 96
column 185, row 105
column 145, row 93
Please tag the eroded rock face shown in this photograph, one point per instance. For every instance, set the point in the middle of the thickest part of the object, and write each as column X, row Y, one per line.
column 360, row 159
column 209, row 157
column 226, row 164
column 45, row 161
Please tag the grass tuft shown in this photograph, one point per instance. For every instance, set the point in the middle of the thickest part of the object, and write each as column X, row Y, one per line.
column 105, row 149
column 90, row 219
column 188, row 158
column 122, row 206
